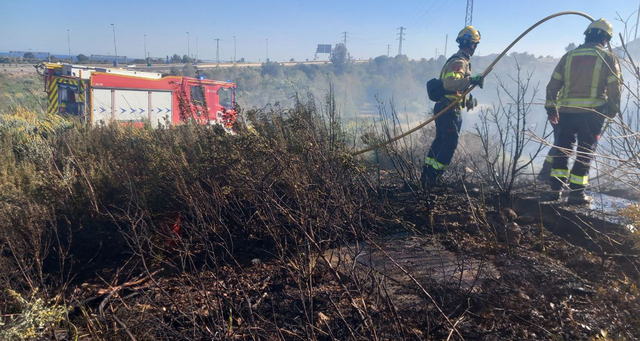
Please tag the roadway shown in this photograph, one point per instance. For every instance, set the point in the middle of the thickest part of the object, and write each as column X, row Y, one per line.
column 160, row 67
column 29, row 68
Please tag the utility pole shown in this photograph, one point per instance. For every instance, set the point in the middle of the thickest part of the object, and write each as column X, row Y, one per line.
column 637, row 21
column 344, row 38
column 145, row 48
column 115, row 46
column 388, row 50
column 400, row 39
column 188, row 47
column 69, row 44
column 234, row 49
column 446, row 40
column 469, row 17
column 217, row 50
column 197, row 54
column 267, row 50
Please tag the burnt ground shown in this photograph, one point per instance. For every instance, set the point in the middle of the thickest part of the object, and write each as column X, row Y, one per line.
column 453, row 265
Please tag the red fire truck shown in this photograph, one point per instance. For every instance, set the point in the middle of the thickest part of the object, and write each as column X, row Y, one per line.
column 103, row 95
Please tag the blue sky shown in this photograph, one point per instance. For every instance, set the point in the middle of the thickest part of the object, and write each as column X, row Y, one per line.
column 294, row 28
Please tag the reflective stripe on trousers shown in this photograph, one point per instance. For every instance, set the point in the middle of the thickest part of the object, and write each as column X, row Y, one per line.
column 446, row 141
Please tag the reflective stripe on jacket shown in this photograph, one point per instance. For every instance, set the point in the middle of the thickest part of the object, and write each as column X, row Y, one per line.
column 587, row 77
column 456, row 76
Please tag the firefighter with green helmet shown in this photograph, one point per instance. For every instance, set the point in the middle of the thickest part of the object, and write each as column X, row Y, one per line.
column 583, row 91
column 456, row 78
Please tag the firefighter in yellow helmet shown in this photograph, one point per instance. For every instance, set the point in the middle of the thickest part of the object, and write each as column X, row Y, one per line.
column 583, row 91
column 456, row 78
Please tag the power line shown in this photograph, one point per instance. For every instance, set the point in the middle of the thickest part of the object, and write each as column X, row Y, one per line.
column 401, row 38
column 427, row 22
column 425, row 13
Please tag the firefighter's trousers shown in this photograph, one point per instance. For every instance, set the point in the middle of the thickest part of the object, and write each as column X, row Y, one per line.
column 553, row 152
column 444, row 145
column 587, row 127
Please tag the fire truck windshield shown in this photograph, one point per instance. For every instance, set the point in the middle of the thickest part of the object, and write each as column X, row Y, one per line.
column 224, row 95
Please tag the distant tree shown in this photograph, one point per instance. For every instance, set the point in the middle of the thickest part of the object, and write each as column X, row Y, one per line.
column 29, row 55
column 82, row 58
column 174, row 71
column 175, row 59
column 187, row 59
column 523, row 57
column 188, row 70
column 53, row 59
column 570, row 47
column 401, row 58
column 271, row 68
column 339, row 57
column 381, row 60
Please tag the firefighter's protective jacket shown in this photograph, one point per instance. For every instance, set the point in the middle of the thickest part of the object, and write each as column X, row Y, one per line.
column 456, row 76
column 585, row 79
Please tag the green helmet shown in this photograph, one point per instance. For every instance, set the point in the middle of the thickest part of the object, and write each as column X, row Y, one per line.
column 602, row 25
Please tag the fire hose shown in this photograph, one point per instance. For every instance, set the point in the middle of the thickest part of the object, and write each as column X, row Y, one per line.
column 466, row 92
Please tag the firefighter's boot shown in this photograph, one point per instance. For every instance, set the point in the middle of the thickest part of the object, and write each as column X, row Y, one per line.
column 556, row 189
column 578, row 197
column 430, row 178
column 545, row 173
column 423, row 178
column 551, row 196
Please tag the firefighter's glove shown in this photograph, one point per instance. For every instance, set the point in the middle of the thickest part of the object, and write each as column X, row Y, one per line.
column 552, row 115
column 477, row 80
column 471, row 103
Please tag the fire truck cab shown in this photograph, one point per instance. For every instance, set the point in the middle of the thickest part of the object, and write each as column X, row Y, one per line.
column 104, row 95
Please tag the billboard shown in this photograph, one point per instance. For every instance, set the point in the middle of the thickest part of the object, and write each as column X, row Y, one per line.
column 323, row 48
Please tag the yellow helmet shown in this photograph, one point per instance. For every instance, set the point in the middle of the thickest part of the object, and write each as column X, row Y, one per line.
column 602, row 25
column 469, row 33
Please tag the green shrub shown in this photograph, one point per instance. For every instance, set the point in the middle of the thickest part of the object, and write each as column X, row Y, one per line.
column 34, row 319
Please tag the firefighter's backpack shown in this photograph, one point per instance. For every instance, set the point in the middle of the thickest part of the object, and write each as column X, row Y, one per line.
column 435, row 89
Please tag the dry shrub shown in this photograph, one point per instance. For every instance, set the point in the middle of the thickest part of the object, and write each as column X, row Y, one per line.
column 191, row 200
